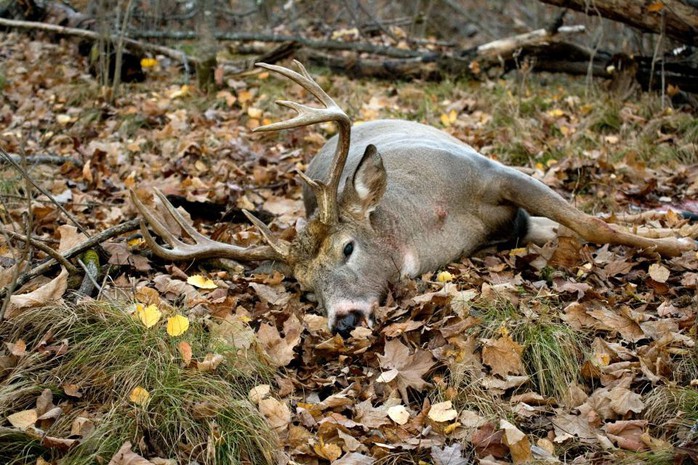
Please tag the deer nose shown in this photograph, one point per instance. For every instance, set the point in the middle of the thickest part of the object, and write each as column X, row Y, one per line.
column 346, row 324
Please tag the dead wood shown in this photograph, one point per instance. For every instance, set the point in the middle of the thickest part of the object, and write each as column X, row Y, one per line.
column 361, row 47
column 85, row 34
column 678, row 19
column 94, row 240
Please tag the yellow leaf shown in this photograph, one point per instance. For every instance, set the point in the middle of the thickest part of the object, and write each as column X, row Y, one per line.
column 149, row 315
column 444, row 277
column 451, row 428
column 655, row 7
column 556, row 113
column 447, row 119
column 181, row 92
column 177, row 325
column 520, row 252
column 148, row 62
column 139, row 396
column 254, row 112
column 201, row 282
column 244, row 96
column 137, row 242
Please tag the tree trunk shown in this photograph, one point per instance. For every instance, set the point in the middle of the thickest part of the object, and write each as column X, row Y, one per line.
column 677, row 19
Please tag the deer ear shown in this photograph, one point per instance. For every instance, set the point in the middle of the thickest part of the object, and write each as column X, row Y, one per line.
column 367, row 186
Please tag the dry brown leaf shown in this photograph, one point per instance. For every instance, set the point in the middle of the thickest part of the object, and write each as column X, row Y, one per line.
column 276, row 413
column 572, row 426
column 369, row 416
column 519, row 445
column 18, row 349
column 125, row 456
column 627, row 434
column 327, row 450
column 233, row 330
column 410, row 367
column 49, row 292
column 273, row 295
column 442, row 411
column 281, row 349
column 258, row 393
column 503, row 355
column 185, row 351
column 612, row 321
column 23, row 419
column 210, row 362
column 448, row 455
column 659, row 273
column 82, row 427
column 399, row 414
column 354, row 458
column 70, row 237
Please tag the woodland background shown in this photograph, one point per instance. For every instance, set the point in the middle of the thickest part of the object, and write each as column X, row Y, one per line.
column 567, row 353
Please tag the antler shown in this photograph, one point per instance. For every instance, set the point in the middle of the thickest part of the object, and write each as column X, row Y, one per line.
column 325, row 193
column 203, row 247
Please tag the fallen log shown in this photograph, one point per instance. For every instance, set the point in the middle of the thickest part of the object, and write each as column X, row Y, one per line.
column 677, row 19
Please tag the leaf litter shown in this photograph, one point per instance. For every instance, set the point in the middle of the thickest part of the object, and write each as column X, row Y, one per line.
column 449, row 374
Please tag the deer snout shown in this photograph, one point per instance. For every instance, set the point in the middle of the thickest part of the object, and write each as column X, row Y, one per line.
column 347, row 323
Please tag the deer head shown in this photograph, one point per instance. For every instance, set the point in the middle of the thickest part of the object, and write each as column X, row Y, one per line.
column 337, row 256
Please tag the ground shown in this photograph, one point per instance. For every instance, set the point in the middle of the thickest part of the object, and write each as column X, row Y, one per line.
column 569, row 352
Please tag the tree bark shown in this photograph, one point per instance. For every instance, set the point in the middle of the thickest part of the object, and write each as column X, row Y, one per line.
column 677, row 19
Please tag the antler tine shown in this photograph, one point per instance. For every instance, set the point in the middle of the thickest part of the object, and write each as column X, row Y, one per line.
column 203, row 247
column 325, row 193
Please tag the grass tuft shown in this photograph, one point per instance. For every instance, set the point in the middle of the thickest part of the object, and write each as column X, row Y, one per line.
column 674, row 409
column 191, row 414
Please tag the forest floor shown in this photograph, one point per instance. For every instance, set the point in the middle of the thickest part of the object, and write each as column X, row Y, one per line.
column 571, row 352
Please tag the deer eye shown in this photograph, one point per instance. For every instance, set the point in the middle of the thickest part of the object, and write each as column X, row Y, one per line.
column 348, row 249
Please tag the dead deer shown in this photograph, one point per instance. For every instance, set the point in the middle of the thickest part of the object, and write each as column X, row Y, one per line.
column 392, row 198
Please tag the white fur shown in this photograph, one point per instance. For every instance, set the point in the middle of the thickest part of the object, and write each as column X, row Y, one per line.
column 361, row 189
column 410, row 265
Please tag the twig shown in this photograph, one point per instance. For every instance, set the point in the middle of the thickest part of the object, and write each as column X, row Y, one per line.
column 89, row 243
column 24, row 173
column 309, row 43
column 44, row 248
column 85, row 34
column 43, row 160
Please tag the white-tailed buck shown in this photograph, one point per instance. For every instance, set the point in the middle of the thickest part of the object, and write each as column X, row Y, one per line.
column 394, row 198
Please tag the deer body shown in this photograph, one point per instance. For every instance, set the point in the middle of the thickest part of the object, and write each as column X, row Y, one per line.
column 394, row 198
column 425, row 223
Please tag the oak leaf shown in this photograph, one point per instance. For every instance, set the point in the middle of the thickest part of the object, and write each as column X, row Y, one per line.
column 410, row 367
column 448, row 455
column 280, row 349
column 503, row 355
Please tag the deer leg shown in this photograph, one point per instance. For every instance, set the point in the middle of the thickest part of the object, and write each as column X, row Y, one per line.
column 539, row 200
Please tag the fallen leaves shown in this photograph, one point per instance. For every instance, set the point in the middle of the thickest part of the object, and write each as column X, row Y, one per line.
column 404, row 368
column 280, row 349
column 503, row 355
column 48, row 293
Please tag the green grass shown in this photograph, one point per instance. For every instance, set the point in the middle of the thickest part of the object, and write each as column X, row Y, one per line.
column 552, row 351
column 190, row 415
